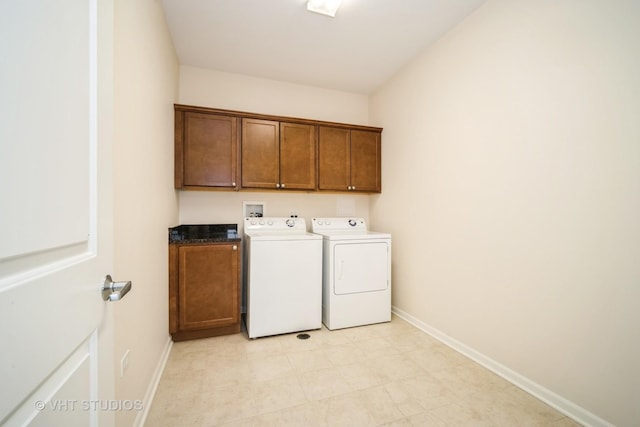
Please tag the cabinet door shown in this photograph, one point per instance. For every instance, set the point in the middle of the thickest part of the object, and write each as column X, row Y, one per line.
column 210, row 150
column 297, row 156
column 260, row 153
column 333, row 158
column 208, row 286
column 365, row 161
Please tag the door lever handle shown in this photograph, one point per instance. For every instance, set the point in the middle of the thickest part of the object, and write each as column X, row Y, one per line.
column 114, row 291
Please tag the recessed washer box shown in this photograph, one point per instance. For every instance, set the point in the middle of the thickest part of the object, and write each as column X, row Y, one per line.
column 253, row 209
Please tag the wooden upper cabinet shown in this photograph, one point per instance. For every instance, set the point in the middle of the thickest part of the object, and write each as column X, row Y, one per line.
column 206, row 152
column 333, row 158
column 233, row 150
column 278, row 155
column 349, row 160
column 260, row 153
column 365, row 161
column 297, row 156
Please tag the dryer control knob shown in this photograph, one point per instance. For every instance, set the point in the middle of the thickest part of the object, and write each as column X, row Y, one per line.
column 319, row 222
column 261, row 222
column 291, row 222
column 352, row 222
column 270, row 222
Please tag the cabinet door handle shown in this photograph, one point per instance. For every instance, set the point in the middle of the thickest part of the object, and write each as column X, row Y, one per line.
column 277, row 185
column 353, row 187
column 349, row 187
column 281, row 185
column 233, row 184
column 235, row 247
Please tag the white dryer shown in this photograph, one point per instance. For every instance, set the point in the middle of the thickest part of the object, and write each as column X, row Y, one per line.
column 283, row 276
column 356, row 274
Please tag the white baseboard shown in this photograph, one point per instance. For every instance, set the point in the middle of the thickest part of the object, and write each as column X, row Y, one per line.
column 153, row 385
column 570, row 409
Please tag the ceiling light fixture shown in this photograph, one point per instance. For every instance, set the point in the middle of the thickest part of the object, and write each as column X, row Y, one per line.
column 324, row 7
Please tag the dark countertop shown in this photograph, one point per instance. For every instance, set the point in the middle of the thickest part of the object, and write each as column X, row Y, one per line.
column 204, row 233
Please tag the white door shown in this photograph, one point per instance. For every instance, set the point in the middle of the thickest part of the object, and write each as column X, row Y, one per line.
column 361, row 267
column 56, row 89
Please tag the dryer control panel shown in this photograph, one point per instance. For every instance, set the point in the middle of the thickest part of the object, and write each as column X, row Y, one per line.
column 355, row 225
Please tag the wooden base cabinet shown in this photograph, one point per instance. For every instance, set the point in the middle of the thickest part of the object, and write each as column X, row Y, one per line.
column 204, row 290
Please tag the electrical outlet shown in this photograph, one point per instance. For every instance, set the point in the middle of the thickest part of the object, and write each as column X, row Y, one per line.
column 124, row 363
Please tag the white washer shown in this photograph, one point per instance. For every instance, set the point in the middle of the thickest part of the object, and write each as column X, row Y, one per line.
column 356, row 283
column 283, row 276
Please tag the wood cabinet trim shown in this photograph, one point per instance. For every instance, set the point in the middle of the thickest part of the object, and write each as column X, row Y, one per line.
column 179, row 149
column 243, row 114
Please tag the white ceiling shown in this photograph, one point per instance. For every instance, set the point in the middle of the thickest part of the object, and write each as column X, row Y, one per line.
column 364, row 45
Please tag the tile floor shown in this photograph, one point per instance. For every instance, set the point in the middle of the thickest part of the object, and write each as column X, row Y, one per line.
column 389, row 374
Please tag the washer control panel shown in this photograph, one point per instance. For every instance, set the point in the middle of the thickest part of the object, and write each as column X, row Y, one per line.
column 274, row 224
column 338, row 224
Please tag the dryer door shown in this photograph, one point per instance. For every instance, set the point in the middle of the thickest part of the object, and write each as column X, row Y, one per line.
column 360, row 267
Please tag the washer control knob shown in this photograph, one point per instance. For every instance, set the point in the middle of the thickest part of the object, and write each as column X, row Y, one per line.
column 261, row 222
column 328, row 222
column 270, row 222
column 352, row 222
column 290, row 222
column 319, row 222
column 253, row 222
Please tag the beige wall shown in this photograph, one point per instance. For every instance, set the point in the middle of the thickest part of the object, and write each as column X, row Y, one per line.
column 216, row 89
column 516, row 139
column 146, row 80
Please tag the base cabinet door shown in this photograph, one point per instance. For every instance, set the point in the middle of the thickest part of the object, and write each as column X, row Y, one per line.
column 206, row 296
